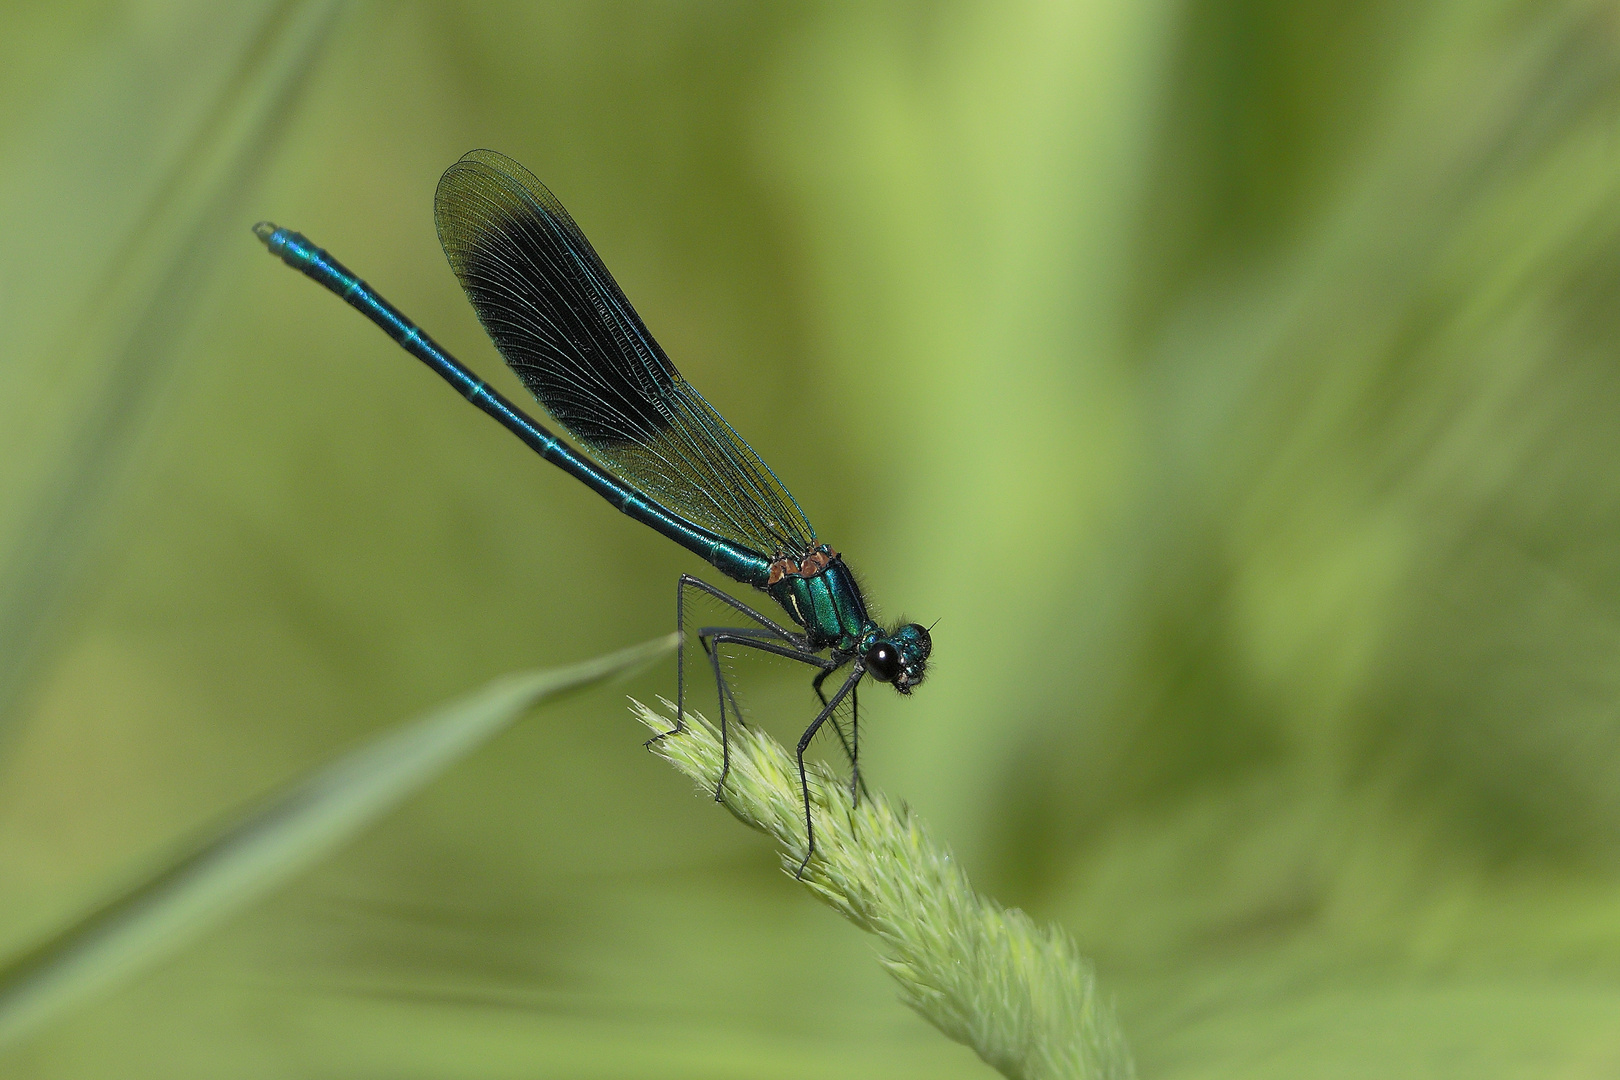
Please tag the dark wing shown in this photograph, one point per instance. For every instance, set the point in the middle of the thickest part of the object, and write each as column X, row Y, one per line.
column 564, row 326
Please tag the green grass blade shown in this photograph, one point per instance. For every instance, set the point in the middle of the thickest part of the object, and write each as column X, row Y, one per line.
column 120, row 347
column 289, row 833
column 1018, row 993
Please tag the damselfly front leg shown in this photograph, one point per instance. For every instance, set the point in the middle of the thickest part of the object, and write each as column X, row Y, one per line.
column 804, row 742
column 712, row 637
column 852, row 745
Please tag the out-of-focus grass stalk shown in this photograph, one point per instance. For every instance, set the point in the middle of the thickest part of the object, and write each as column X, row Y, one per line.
column 287, row 834
column 130, row 318
column 1019, row 994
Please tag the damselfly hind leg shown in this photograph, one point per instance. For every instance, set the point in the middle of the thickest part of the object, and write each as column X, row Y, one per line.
column 768, row 636
column 687, row 581
column 711, row 638
column 716, row 636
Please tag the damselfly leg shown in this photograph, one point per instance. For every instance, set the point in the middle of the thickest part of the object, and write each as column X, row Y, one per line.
column 772, row 638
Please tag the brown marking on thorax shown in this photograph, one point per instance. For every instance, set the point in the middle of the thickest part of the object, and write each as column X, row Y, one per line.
column 812, row 564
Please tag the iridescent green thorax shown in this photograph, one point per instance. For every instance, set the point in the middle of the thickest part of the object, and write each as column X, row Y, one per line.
column 821, row 595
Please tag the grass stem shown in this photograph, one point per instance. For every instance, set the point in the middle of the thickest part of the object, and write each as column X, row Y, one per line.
column 1019, row 994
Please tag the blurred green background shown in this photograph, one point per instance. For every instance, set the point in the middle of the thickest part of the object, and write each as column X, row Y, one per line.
column 1237, row 381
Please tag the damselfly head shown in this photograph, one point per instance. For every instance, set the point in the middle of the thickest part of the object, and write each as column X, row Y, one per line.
column 899, row 657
